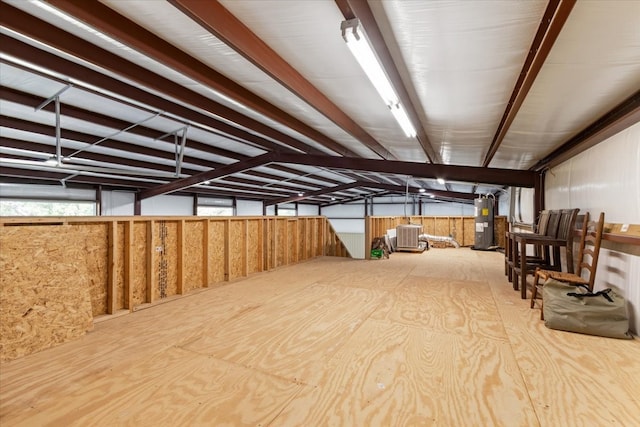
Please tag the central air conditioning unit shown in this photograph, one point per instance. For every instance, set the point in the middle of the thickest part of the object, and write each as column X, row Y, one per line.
column 408, row 238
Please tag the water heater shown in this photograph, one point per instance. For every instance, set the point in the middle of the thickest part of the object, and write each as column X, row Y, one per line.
column 484, row 223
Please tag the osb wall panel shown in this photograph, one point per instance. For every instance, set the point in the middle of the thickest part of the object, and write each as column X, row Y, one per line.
column 320, row 226
column 292, row 227
column 44, row 292
column 500, row 227
column 193, row 244
column 254, row 246
column 120, row 261
column 469, row 232
column 96, row 246
column 139, row 275
column 237, row 255
column 170, row 253
column 273, row 243
column 282, row 244
column 216, row 251
column 461, row 228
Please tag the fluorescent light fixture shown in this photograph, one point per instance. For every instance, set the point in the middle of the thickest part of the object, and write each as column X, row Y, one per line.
column 359, row 46
column 441, row 181
column 300, row 194
column 432, row 196
column 356, row 40
column 402, row 119
column 421, row 190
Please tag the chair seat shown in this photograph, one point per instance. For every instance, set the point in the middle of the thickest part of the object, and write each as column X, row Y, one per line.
column 562, row 276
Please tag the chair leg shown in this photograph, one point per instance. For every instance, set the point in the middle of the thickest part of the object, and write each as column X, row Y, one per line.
column 534, row 290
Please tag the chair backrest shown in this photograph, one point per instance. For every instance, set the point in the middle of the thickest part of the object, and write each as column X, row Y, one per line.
column 552, row 225
column 567, row 224
column 590, row 242
column 543, row 223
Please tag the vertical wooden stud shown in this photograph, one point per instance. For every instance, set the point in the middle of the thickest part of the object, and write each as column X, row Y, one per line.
column 206, row 236
column 180, row 255
column 128, row 265
column 245, row 248
column 152, row 278
column 227, row 251
column 112, row 266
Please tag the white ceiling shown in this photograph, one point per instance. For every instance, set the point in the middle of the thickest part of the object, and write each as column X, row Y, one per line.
column 458, row 62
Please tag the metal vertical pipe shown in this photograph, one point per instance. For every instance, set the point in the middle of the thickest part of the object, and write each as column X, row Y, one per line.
column 58, row 144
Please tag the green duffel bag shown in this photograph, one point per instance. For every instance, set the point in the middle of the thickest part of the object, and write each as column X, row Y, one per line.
column 574, row 308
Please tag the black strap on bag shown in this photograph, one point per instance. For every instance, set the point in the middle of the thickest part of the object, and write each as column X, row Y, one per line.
column 604, row 293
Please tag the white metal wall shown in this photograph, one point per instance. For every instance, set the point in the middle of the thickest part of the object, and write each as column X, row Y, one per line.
column 116, row 203
column 605, row 178
column 248, row 208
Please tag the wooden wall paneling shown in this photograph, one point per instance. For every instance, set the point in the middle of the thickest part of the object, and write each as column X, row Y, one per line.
column 170, row 254
column 244, row 239
column 120, row 263
column 152, row 278
column 112, row 267
column 128, row 265
column 260, row 244
column 227, row 250
column 218, row 247
column 142, row 248
column 44, row 288
column 180, row 249
column 237, row 249
column 442, row 226
column 294, row 240
column 254, row 246
column 206, row 237
column 469, row 231
column 282, row 252
column 96, row 256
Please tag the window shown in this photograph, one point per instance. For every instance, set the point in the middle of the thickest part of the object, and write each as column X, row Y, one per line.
column 214, row 211
column 215, row 207
column 287, row 210
column 26, row 207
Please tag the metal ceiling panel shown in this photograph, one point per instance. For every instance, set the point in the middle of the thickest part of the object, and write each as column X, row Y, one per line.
column 586, row 74
column 167, row 22
column 307, row 35
column 462, row 59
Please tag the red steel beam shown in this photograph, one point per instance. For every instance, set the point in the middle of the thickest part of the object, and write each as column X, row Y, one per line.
column 216, row 19
column 553, row 20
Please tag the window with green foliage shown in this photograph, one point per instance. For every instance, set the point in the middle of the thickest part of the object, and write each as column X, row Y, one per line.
column 25, row 207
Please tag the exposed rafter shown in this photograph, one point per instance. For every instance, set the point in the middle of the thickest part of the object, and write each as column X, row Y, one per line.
column 216, row 19
column 400, row 189
column 625, row 114
column 360, row 9
column 552, row 22
column 103, row 120
column 109, row 22
column 512, row 177
column 52, row 36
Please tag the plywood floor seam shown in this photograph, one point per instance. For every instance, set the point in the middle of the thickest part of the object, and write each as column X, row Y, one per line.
column 438, row 338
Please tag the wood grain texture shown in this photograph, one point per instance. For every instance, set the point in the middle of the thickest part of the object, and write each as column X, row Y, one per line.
column 334, row 341
column 391, row 374
column 45, row 298
column 193, row 256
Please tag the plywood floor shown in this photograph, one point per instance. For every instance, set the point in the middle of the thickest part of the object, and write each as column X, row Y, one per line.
column 438, row 338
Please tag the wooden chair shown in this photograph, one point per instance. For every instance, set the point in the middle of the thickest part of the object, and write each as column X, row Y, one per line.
column 590, row 241
column 542, row 255
column 540, row 228
column 551, row 245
